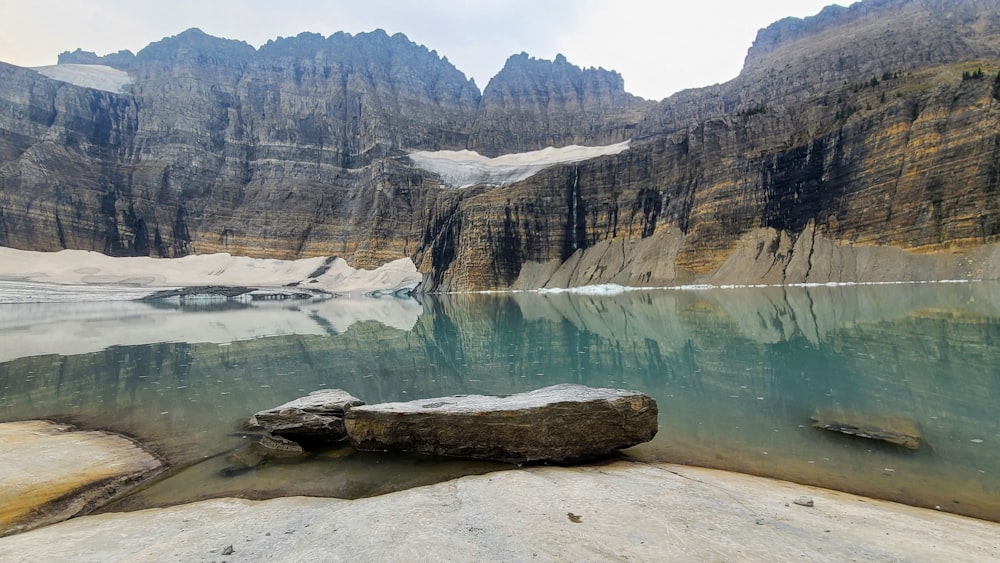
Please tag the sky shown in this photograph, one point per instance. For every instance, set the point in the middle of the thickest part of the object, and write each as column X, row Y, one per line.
column 658, row 46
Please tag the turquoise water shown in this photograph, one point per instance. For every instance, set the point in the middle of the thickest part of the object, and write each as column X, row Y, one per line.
column 737, row 374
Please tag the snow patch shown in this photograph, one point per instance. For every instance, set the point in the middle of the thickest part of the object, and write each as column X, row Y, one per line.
column 80, row 267
column 98, row 77
column 460, row 169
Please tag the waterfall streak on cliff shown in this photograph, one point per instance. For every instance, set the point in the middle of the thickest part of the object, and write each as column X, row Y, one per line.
column 575, row 208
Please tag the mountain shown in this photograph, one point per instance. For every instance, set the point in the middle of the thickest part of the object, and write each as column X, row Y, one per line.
column 859, row 144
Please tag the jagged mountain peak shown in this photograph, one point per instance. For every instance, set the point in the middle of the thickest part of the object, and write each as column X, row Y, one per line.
column 188, row 43
column 533, row 103
column 378, row 41
column 792, row 28
column 903, row 33
column 194, row 45
column 522, row 69
column 305, row 42
column 121, row 60
column 523, row 62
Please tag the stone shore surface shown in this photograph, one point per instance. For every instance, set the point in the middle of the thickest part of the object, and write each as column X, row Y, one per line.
column 50, row 472
column 621, row 510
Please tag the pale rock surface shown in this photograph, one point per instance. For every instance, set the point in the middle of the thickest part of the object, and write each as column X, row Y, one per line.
column 618, row 511
column 49, row 472
column 560, row 423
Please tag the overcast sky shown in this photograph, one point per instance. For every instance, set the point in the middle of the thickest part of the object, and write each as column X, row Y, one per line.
column 659, row 46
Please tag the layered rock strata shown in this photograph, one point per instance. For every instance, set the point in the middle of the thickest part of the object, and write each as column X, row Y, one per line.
column 561, row 423
column 856, row 145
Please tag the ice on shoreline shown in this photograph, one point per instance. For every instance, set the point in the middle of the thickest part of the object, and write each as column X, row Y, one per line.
column 601, row 289
column 616, row 289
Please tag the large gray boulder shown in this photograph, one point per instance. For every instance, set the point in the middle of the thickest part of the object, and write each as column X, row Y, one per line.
column 561, row 423
column 317, row 417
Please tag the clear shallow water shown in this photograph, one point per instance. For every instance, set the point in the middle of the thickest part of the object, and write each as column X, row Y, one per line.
column 737, row 373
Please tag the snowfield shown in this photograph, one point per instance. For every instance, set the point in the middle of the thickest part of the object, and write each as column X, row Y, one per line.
column 129, row 275
column 460, row 169
column 98, row 77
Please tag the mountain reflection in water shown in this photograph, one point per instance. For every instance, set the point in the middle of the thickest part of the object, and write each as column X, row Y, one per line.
column 737, row 374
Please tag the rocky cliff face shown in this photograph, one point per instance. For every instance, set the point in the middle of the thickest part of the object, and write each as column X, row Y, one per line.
column 221, row 147
column 859, row 144
column 818, row 163
column 535, row 103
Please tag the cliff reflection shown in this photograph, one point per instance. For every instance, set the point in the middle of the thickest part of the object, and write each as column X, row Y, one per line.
column 32, row 329
column 737, row 374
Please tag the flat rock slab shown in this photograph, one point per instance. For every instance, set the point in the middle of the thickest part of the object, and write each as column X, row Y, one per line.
column 561, row 423
column 622, row 511
column 50, row 472
column 885, row 428
column 317, row 417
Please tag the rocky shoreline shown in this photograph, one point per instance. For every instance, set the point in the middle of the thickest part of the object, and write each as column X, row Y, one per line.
column 603, row 511
column 50, row 472
column 83, row 471
column 621, row 509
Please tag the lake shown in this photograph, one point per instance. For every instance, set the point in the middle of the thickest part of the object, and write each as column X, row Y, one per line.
column 737, row 374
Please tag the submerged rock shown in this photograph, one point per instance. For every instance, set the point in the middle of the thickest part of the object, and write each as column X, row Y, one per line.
column 886, row 428
column 317, row 417
column 263, row 449
column 561, row 423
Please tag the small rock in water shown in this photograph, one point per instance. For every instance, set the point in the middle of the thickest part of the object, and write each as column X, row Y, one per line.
column 885, row 428
column 263, row 449
column 804, row 501
column 228, row 550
